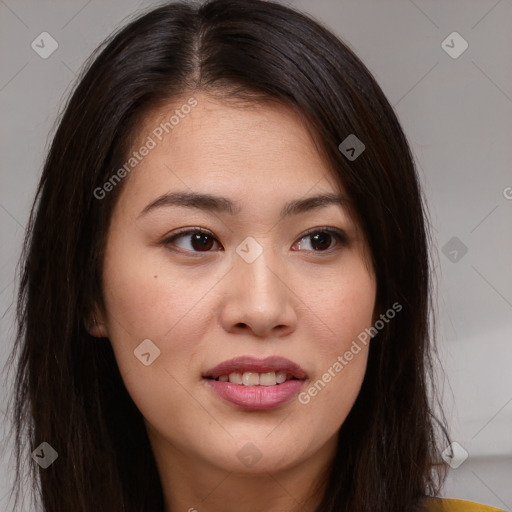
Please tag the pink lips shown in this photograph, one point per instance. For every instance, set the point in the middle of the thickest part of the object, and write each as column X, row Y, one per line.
column 256, row 397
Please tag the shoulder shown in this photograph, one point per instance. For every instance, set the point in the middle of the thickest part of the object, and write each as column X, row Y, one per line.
column 452, row 505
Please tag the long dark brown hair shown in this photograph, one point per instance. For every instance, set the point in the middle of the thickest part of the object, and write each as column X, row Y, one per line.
column 68, row 391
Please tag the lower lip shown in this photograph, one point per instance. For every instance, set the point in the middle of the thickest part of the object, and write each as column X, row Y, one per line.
column 256, row 398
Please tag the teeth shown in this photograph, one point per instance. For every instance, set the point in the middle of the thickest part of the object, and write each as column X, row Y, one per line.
column 255, row 379
column 251, row 379
column 268, row 379
column 235, row 378
column 280, row 377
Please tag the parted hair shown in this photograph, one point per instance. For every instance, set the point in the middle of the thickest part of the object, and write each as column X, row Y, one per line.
column 67, row 388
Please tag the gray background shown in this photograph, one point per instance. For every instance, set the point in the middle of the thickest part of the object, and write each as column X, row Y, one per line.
column 457, row 114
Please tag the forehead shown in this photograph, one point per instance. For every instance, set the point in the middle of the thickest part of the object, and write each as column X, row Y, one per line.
column 261, row 146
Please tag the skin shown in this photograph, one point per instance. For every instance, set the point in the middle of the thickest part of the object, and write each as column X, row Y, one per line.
column 201, row 308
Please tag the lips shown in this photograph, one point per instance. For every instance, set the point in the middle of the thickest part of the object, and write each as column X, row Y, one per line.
column 238, row 384
column 251, row 364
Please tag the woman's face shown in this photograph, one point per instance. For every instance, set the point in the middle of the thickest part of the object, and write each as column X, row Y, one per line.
column 268, row 277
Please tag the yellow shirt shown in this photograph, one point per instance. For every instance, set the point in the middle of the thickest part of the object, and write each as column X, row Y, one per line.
column 452, row 505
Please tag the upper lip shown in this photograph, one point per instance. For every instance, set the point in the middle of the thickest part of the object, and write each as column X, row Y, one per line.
column 253, row 364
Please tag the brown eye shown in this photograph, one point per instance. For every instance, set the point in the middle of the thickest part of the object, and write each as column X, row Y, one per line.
column 201, row 242
column 321, row 240
column 195, row 240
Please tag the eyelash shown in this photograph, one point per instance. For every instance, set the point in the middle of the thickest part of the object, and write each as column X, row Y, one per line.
column 339, row 235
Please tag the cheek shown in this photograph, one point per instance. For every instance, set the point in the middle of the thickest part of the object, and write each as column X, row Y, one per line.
column 167, row 310
column 148, row 299
column 345, row 310
column 343, row 305
column 143, row 299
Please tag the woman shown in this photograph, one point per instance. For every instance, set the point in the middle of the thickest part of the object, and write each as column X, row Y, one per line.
column 225, row 293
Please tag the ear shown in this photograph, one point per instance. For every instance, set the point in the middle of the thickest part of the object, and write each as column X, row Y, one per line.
column 95, row 325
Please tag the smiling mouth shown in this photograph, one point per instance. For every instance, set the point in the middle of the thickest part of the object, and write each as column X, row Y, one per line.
column 254, row 391
column 256, row 379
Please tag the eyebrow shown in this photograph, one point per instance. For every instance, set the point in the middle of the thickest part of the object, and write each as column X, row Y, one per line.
column 220, row 204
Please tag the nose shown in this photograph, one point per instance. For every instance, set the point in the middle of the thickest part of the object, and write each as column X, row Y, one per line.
column 259, row 297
